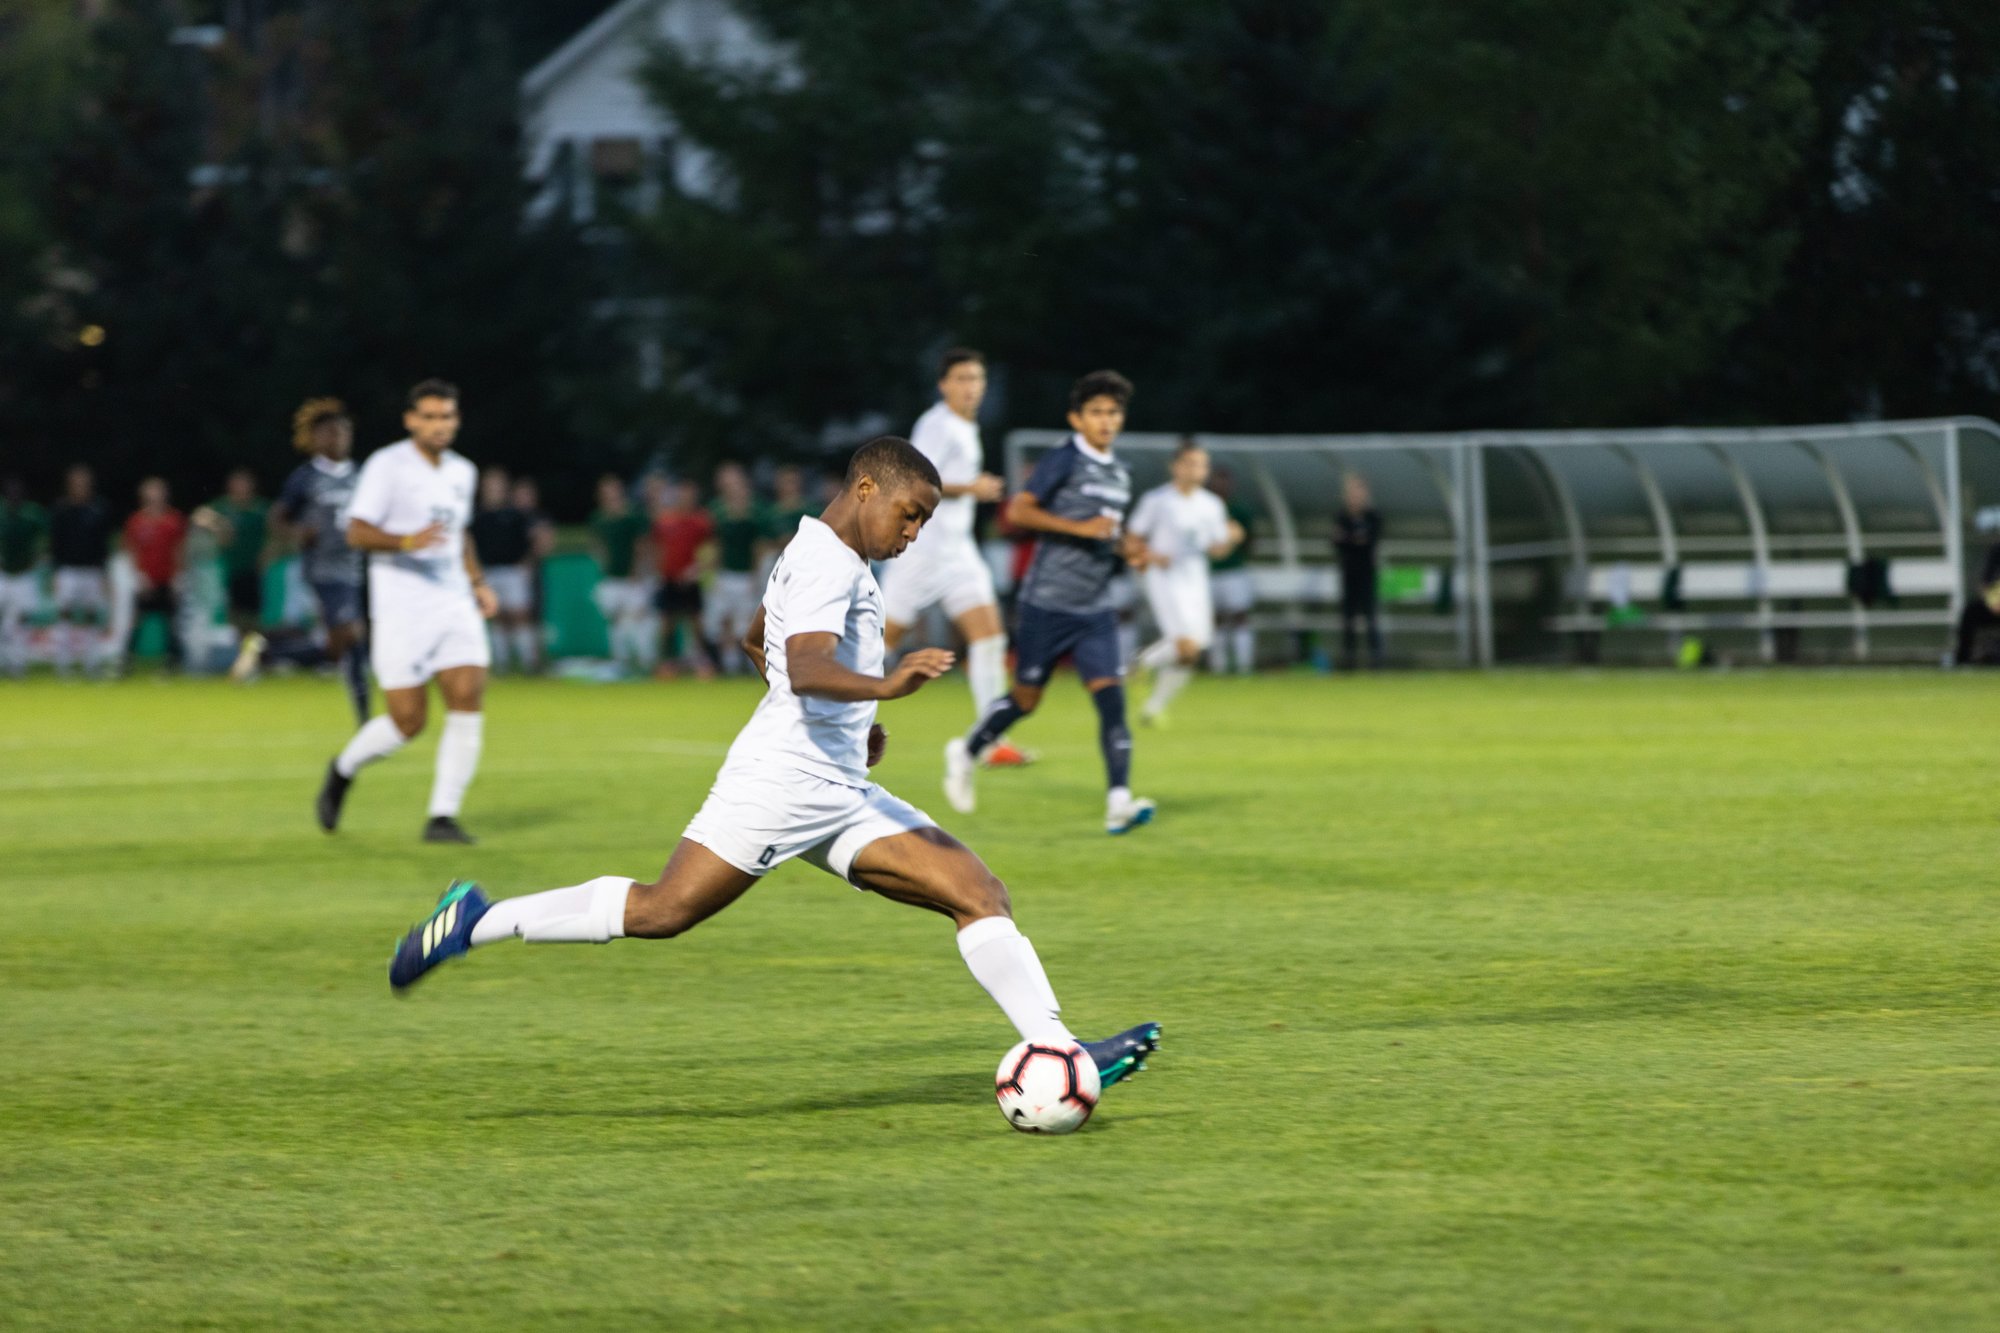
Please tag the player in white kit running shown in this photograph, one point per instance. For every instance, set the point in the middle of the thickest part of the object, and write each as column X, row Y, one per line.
column 1184, row 525
column 428, row 603
column 945, row 567
column 796, row 781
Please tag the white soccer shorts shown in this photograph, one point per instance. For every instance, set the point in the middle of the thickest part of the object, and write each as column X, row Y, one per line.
column 618, row 598
column 20, row 594
column 758, row 816
column 1181, row 604
column 511, row 585
column 955, row 577
column 1235, row 591
column 80, row 589
column 407, row 650
column 732, row 602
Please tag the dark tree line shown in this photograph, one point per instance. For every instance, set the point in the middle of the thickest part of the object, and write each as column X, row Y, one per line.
column 1276, row 215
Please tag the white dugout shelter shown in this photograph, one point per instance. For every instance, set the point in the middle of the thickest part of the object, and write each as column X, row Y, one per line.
column 1829, row 543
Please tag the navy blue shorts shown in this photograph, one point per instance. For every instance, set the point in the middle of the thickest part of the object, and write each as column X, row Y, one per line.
column 339, row 603
column 1043, row 637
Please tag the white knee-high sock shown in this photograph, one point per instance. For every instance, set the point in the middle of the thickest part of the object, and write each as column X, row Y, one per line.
column 588, row 913
column 1002, row 960
column 1159, row 655
column 986, row 671
column 457, row 761
column 377, row 739
column 1245, row 644
column 1170, row 681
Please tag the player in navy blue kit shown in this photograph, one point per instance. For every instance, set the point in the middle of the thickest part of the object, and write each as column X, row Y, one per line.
column 314, row 504
column 1075, row 502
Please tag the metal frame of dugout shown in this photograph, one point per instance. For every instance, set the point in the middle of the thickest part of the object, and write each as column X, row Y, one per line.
column 1851, row 538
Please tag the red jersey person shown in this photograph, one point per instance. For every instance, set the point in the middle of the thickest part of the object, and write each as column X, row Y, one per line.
column 681, row 529
column 154, row 538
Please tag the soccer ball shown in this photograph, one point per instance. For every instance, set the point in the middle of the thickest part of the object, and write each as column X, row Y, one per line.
column 1047, row 1087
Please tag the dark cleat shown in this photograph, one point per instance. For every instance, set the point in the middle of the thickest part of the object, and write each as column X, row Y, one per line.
column 332, row 795
column 443, row 828
column 1120, row 1057
column 443, row 935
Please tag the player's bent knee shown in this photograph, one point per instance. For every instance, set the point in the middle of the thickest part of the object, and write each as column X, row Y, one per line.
column 655, row 912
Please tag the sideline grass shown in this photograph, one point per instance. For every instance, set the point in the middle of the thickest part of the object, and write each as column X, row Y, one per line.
column 1519, row 1001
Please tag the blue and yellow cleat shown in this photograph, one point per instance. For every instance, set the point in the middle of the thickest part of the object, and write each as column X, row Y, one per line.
column 1118, row 1058
column 443, row 935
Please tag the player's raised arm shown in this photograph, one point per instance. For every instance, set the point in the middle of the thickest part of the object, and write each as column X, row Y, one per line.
column 816, row 671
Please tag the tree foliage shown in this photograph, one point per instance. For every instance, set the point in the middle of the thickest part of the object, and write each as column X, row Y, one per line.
column 328, row 202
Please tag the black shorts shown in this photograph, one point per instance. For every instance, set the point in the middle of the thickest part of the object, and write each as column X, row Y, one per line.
column 1043, row 637
column 246, row 592
column 678, row 599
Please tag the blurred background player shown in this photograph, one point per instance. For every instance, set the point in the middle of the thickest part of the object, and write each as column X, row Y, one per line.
column 525, row 495
column 239, row 520
column 502, row 536
column 312, row 505
column 617, row 530
column 944, row 567
column 1074, row 503
column 427, row 604
column 24, row 532
column 744, row 532
column 1184, row 526
column 154, row 537
column 1229, row 580
column 79, row 545
column 789, row 504
column 1357, row 536
column 681, row 528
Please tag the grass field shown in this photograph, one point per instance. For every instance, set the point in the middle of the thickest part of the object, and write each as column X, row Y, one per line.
column 1518, row 1001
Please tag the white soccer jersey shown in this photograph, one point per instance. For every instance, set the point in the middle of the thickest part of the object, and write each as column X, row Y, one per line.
column 818, row 586
column 952, row 444
column 401, row 491
column 1181, row 527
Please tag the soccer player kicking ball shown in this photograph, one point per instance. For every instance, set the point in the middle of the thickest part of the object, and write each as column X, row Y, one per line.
column 428, row 603
column 1075, row 503
column 1184, row 526
column 796, row 782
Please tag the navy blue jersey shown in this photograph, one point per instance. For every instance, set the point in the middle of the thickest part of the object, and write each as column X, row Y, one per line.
column 79, row 534
column 1075, row 482
column 315, row 497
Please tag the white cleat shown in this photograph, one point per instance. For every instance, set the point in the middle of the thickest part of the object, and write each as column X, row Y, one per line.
column 1128, row 814
column 958, row 770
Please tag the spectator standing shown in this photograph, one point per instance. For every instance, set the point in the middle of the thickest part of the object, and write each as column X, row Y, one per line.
column 681, row 528
column 617, row 530
column 79, row 545
column 240, row 522
column 526, row 499
column 744, row 529
column 154, row 536
column 1235, row 594
column 501, row 537
column 1357, row 535
column 24, row 531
